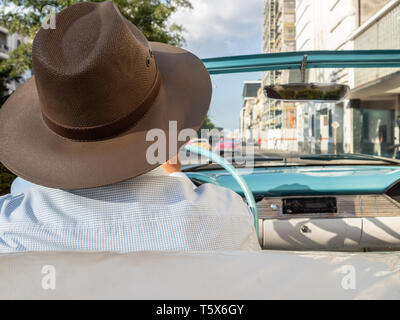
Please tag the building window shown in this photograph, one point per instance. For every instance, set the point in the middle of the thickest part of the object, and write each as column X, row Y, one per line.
column 365, row 126
column 312, row 126
column 291, row 116
column 3, row 42
column 367, row 8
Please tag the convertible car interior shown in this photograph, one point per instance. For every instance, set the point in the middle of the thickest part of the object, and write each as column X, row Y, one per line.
column 343, row 208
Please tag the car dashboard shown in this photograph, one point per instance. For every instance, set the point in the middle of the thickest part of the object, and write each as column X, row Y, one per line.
column 323, row 208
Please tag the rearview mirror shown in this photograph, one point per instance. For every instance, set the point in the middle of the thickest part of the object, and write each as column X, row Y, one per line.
column 303, row 92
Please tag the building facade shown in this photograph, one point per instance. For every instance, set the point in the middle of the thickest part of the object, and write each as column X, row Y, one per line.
column 376, row 92
column 277, row 121
column 249, row 114
column 368, row 122
column 324, row 25
column 367, row 119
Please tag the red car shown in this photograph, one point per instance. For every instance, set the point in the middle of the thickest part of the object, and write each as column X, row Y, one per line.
column 228, row 146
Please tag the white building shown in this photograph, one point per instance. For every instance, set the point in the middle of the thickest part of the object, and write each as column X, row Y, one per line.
column 366, row 120
column 323, row 25
column 249, row 122
column 277, row 120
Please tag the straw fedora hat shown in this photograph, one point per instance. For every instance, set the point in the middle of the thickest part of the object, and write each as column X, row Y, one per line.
column 99, row 87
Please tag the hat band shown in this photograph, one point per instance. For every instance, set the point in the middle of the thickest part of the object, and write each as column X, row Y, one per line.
column 108, row 130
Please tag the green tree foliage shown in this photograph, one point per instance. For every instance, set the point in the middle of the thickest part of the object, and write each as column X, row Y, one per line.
column 208, row 124
column 13, row 68
column 150, row 16
column 6, row 178
column 5, row 79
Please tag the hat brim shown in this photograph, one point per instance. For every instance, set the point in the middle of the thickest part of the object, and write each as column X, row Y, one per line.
column 34, row 152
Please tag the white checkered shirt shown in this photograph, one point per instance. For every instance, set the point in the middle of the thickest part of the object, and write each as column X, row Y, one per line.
column 152, row 212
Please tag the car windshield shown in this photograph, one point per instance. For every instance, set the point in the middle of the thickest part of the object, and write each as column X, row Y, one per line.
column 367, row 122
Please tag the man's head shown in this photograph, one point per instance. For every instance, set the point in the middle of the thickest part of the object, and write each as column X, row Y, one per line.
column 99, row 88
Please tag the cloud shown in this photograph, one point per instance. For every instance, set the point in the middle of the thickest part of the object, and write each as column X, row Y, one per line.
column 216, row 28
column 222, row 27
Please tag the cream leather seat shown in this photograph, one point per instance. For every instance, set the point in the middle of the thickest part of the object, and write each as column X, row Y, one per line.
column 230, row 275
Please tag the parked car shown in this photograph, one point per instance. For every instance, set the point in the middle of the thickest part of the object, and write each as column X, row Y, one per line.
column 201, row 143
column 228, row 146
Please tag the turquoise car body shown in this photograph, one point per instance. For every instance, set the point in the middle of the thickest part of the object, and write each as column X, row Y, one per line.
column 307, row 180
column 294, row 60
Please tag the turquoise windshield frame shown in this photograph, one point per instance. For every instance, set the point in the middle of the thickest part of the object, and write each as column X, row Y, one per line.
column 293, row 60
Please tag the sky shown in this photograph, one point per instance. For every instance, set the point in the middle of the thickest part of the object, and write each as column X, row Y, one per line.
column 216, row 28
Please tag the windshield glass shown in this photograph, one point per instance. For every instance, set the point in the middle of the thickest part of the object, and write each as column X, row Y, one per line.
column 366, row 123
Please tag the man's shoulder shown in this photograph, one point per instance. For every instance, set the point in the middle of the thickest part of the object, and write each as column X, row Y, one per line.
column 222, row 190
column 226, row 200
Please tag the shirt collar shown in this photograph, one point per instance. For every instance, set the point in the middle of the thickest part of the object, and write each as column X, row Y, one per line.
column 22, row 186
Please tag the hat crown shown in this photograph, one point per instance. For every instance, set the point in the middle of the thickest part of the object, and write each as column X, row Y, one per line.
column 93, row 70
